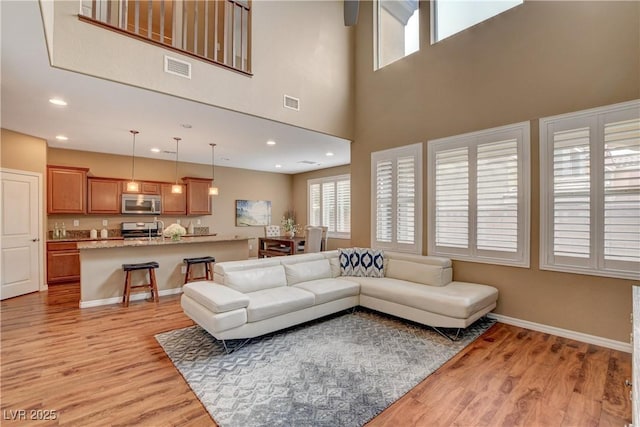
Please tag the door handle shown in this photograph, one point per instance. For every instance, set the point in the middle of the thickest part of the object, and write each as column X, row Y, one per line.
column 35, row 240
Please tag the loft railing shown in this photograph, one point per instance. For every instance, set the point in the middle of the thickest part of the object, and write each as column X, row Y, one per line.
column 215, row 30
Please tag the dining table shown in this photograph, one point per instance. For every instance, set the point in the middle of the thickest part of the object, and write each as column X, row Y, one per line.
column 280, row 246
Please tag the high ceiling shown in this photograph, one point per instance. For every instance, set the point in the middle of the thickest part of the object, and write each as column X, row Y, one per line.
column 100, row 113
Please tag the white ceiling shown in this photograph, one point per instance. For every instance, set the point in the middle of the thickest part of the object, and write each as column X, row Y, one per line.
column 100, row 113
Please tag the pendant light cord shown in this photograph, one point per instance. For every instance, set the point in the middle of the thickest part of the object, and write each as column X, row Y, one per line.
column 177, row 140
column 133, row 155
column 213, row 171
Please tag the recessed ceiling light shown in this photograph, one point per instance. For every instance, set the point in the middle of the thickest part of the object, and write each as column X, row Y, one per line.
column 58, row 101
column 61, row 138
column 329, row 154
column 186, row 125
column 271, row 142
column 278, row 166
column 155, row 150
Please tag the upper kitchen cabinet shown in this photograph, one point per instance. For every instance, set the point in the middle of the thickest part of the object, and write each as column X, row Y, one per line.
column 145, row 188
column 173, row 203
column 198, row 200
column 66, row 190
column 104, row 196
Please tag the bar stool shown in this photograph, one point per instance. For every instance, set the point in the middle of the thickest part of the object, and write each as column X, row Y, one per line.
column 152, row 285
column 208, row 269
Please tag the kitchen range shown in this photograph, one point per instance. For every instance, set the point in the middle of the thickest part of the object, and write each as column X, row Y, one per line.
column 140, row 230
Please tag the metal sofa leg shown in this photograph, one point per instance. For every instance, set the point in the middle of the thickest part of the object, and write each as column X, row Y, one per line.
column 453, row 338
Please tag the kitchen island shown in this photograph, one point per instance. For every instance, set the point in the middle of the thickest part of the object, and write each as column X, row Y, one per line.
column 102, row 277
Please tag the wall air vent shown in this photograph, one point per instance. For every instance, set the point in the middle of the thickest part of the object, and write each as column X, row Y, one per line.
column 291, row 103
column 177, row 67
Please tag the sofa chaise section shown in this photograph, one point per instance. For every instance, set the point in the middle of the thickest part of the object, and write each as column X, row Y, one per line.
column 270, row 303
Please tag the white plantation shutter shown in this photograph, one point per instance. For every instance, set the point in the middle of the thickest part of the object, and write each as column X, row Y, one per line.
column 479, row 196
column 406, row 206
column 452, row 198
column 622, row 191
column 571, row 193
column 396, row 198
column 384, row 201
column 343, row 206
column 330, row 204
column 314, row 205
column 497, row 192
column 590, row 191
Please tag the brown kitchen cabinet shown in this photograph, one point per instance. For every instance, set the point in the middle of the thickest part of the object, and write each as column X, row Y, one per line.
column 104, row 196
column 146, row 187
column 63, row 262
column 66, row 190
column 198, row 199
column 173, row 204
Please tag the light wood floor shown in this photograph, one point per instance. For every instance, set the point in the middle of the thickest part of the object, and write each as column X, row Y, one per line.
column 102, row 366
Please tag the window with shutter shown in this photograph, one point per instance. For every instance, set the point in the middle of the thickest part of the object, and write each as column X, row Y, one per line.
column 397, row 199
column 329, row 204
column 590, row 191
column 479, row 196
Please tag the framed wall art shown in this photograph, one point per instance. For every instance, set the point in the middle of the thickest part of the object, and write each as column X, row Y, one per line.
column 251, row 213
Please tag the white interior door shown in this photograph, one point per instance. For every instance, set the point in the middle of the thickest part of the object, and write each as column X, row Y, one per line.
column 20, row 228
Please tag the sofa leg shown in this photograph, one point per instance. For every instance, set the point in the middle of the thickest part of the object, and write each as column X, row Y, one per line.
column 227, row 350
column 456, row 337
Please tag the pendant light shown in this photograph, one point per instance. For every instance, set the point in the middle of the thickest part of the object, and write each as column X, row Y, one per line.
column 176, row 188
column 213, row 190
column 133, row 186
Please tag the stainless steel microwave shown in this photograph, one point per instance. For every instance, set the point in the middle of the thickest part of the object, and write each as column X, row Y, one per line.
column 141, row 204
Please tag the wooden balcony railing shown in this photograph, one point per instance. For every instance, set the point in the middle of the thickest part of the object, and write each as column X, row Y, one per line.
column 215, row 30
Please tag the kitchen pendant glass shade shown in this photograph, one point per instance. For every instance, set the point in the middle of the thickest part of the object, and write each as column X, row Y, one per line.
column 133, row 186
column 213, row 190
column 176, row 188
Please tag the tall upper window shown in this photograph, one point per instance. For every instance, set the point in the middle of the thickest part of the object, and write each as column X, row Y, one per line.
column 330, row 204
column 449, row 17
column 396, row 199
column 590, row 191
column 479, row 196
column 396, row 30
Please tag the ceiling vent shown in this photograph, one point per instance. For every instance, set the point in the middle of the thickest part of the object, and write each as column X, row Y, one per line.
column 308, row 162
column 291, row 103
column 177, row 67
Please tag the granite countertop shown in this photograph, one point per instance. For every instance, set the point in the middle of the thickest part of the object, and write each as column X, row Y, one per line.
column 83, row 239
column 88, row 239
column 120, row 243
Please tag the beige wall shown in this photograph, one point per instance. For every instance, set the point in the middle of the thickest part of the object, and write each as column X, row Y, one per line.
column 300, row 198
column 233, row 184
column 538, row 59
column 298, row 48
column 23, row 152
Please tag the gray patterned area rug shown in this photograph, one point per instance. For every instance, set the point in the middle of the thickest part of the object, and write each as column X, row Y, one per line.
column 338, row 371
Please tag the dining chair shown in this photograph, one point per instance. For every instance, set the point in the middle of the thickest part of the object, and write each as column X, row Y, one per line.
column 272, row 231
column 325, row 230
column 312, row 239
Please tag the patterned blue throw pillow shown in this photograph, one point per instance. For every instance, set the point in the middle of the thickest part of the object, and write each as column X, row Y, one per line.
column 344, row 256
column 361, row 262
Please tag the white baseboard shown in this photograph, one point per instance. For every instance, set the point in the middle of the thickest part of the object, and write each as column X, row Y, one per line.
column 565, row 333
column 134, row 297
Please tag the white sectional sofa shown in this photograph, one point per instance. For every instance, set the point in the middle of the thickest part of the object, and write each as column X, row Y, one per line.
column 256, row 297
